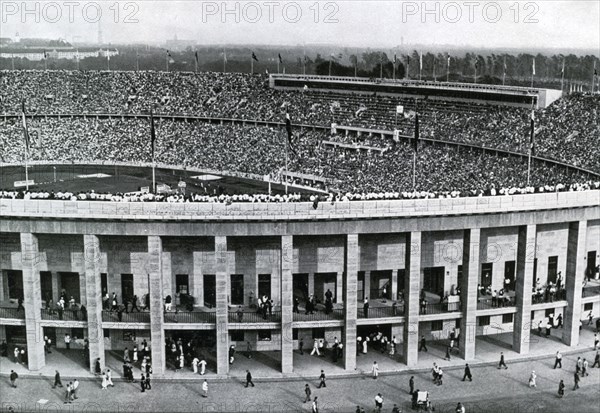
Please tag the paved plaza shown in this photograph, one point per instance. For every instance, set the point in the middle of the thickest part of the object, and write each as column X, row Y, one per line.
column 492, row 390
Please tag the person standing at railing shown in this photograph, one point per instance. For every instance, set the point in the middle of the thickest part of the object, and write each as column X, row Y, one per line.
column 240, row 314
column 68, row 341
column 366, row 307
column 20, row 304
column 134, row 304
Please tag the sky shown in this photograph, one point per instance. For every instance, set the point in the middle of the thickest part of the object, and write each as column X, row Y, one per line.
column 502, row 24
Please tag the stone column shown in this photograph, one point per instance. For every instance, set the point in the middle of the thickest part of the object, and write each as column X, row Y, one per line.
column 412, row 282
column 157, row 321
column 576, row 264
column 287, row 302
column 55, row 287
column 526, row 249
column 468, row 293
column 339, row 287
column 311, row 283
column 367, row 285
column 394, row 286
column 32, row 301
column 350, row 302
column 222, row 309
column 93, row 291
column 3, row 289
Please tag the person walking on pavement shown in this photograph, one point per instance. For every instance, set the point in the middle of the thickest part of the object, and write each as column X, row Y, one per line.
column 104, row 381
column 584, row 368
column 375, row 370
column 576, row 379
column 411, row 385
column 532, row 379
column 596, row 360
column 68, row 394
column 307, row 392
column 315, row 406
column 248, row 379
column 322, row 378
column 579, row 365
column 558, row 360
column 467, row 374
column 423, row 344
column 148, row 386
column 205, row 388
column 460, row 408
column 143, row 383
column 440, row 378
column 301, row 346
column 379, row 402
column 315, row 347
column 502, row 362
column 74, row 388
column 596, row 340
column 13, row 379
column 57, row 381
column 109, row 378
column 561, row 389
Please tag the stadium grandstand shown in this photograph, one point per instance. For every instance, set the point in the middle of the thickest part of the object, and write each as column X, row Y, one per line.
column 339, row 212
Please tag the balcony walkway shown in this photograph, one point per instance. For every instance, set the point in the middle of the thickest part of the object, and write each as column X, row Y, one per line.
column 266, row 364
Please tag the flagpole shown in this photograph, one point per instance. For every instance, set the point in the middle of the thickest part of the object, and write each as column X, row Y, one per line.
column 448, row 70
column 137, row 61
column 532, row 139
column 414, row 171
column 562, row 78
column 251, row 65
column 329, row 66
column 196, row 62
column 167, row 61
column 593, row 76
column 504, row 72
column 224, row 61
column 286, row 165
column 434, row 75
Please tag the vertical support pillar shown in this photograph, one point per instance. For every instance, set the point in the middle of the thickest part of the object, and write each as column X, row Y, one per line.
column 339, row 287
column 55, row 287
column 3, row 290
column 32, row 301
column 287, row 301
column 394, row 286
column 157, row 321
column 576, row 264
column 350, row 302
column 412, row 282
column 367, row 285
column 526, row 250
column 311, row 283
column 222, row 292
column 93, row 291
column 468, row 293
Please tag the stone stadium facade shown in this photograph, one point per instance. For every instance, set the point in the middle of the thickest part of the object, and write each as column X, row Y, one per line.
column 395, row 253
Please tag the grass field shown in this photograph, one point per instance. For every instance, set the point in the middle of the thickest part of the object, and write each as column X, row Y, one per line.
column 113, row 179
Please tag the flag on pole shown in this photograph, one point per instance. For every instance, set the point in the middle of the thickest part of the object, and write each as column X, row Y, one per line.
column 449, row 61
column 421, row 61
column 25, row 130
column 171, row 60
column 280, row 58
column 288, row 129
column 532, row 135
column 152, row 134
column 563, row 68
column 224, row 56
column 416, row 138
column 254, row 57
column 196, row 56
column 533, row 67
column 395, row 58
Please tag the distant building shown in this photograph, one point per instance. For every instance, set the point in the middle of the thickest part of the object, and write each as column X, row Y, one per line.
column 68, row 53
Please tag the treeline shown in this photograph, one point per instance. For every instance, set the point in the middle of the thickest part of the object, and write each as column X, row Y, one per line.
column 494, row 68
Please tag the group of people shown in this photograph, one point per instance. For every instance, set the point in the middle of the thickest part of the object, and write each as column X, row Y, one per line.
column 259, row 151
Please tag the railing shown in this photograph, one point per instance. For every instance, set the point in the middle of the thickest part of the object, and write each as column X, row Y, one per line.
column 590, row 291
column 122, row 317
column 489, row 303
column 190, row 317
column 299, row 210
column 439, row 308
column 11, row 312
column 543, row 297
column 64, row 315
column 381, row 312
column 335, row 314
column 254, row 317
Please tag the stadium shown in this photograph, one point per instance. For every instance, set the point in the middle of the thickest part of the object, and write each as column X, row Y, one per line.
column 383, row 212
